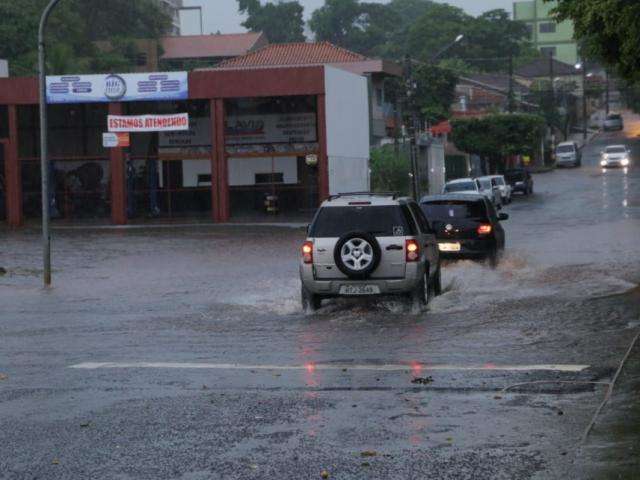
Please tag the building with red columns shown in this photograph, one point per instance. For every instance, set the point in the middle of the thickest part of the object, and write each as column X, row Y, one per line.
column 296, row 134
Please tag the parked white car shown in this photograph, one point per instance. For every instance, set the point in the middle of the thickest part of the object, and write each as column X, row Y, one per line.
column 503, row 186
column 462, row 185
column 489, row 188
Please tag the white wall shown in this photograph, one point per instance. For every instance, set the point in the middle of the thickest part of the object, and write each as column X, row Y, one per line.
column 4, row 68
column 191, row 169
column 347, row 120
column 242, row 171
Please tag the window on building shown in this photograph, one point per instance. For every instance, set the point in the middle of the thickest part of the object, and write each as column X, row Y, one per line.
column 548, row 27
column 548, row 51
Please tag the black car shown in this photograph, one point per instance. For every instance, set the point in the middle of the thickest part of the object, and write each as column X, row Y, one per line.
column 520, row 180
column 466, row 226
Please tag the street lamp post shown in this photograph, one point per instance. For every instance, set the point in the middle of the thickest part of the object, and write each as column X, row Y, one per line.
column 583, row 67
column 415, row 123
column 44, row 160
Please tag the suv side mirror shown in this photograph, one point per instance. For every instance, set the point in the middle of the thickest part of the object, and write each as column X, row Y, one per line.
column 503, row 216
column 308, row 228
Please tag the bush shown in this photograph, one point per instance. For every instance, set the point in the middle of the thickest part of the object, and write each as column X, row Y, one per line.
column 390, row 172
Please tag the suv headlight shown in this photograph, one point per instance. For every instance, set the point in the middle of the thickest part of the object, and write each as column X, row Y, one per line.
column 624, row 162
column 603, row 163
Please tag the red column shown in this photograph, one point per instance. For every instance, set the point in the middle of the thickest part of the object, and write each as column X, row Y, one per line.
column 323, row 162
column 12, row 172
column 220, row 160
column 118, row 184
column 215, row 194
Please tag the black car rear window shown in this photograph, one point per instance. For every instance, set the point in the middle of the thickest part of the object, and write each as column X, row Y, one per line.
column 515, row 175
column 383, row 221
column 459, row 209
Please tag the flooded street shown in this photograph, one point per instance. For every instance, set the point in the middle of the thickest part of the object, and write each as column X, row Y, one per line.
column 183, row 353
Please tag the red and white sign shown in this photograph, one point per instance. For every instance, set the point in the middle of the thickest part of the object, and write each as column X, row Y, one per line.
column 113, row 140
column 148, row 123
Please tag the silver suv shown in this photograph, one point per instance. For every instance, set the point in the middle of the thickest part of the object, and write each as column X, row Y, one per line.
column 369, row 244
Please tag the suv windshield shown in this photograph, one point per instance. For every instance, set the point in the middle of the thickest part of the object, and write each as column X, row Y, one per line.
column 459, row 187
column 614, row 116
column 443, row 210
column 565, row 149
column 384, row 221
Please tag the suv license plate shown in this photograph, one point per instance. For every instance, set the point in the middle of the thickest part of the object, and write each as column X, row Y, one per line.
column 449, row 247
column 359, row 290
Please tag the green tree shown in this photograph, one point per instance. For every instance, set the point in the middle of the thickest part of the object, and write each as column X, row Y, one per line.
column 361, row 27
column 73, row 29
column 282, row 22
column 492, row 38
column 497, row 136
column 608, row 30
column 435, row 92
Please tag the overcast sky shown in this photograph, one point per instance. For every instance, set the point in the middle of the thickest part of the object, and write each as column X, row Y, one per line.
column 223, row 14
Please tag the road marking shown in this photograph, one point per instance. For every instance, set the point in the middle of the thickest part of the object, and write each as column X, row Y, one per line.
column 332, row 366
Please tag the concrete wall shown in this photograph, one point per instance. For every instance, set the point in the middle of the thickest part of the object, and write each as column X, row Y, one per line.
column 347, row 120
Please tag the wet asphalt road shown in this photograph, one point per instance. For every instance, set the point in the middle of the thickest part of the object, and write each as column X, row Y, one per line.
column 287, row 395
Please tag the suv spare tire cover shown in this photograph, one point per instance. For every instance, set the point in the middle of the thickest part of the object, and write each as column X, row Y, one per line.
column 359, row 244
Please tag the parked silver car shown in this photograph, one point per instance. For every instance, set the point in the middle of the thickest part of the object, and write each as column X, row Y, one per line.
column 613, row 121
column 369, row 244
column 568, row 154
column 489, row 188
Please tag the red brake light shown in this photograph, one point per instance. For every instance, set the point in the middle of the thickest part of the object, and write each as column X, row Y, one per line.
column 307, row 252
column 412, row 250
column 484, row 229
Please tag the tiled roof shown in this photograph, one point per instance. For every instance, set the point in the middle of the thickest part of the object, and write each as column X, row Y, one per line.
column 542, row 68
column 212, row 46
column 282, row 54
column 496, row 81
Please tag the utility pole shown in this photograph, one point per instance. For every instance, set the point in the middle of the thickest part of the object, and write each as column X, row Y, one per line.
column 607, row 93
column 584, row 100
column 44, row 154
column 511, row 99
column 410, row 103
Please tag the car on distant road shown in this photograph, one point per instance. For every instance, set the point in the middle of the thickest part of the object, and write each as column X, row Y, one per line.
column 613, row 121
column 504, row 187
column 362, row 244
column 615, row 156
column 568, row 154
column 466, row 226
column 489, row 188
column 520, row 180
column 462, row 185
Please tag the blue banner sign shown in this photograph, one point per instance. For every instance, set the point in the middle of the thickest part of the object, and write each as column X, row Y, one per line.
column 128, row 87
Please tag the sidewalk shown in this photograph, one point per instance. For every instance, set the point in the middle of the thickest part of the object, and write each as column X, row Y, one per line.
column 612, row 449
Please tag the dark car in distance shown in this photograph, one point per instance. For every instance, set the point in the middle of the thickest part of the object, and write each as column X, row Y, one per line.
column 520, row 180
column 466, row 226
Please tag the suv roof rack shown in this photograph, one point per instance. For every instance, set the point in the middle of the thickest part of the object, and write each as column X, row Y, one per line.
column 393, row 195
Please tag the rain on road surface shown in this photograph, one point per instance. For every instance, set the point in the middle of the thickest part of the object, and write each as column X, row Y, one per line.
column 183, row 353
